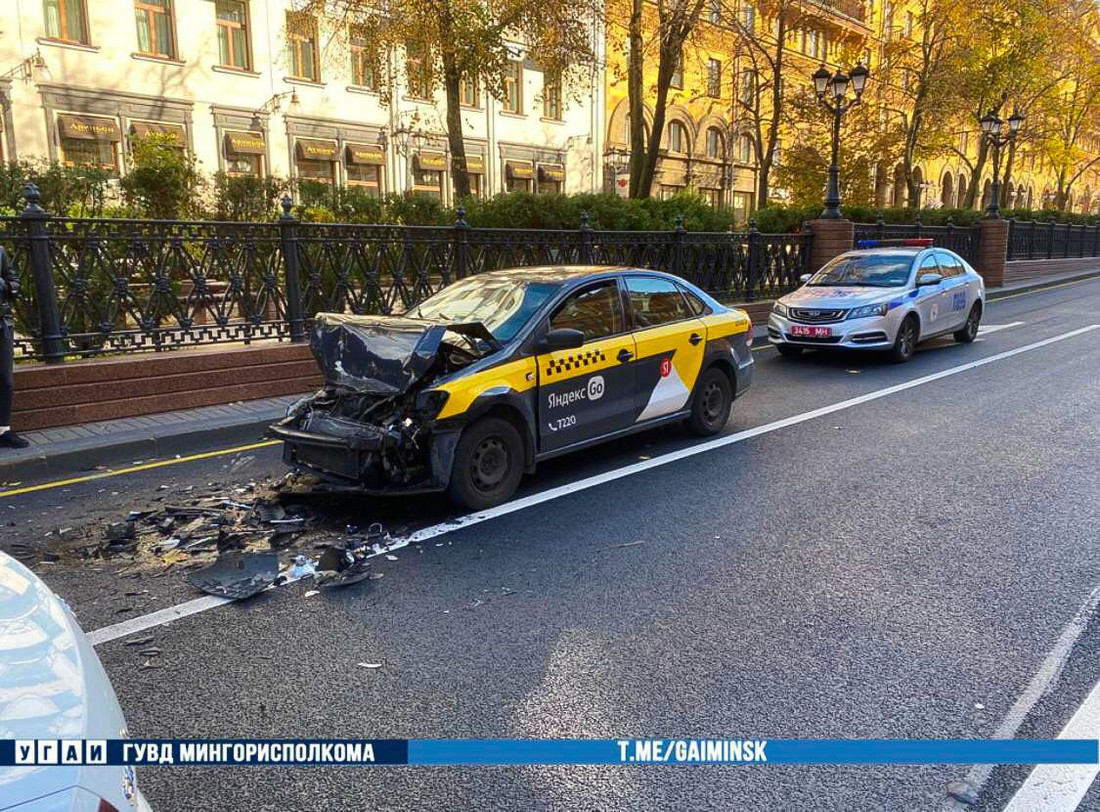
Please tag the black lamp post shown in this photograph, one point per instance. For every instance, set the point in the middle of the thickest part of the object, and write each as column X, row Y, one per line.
column 836, row 86
column 991, row 130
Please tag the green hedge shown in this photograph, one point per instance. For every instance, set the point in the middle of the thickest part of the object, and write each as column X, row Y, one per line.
column 778, row 219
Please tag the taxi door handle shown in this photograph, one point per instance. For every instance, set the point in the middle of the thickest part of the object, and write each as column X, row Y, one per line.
column 695, row 338
column 625, row 355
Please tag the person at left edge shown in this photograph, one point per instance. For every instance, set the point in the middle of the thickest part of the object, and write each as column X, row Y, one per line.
column 9, row 289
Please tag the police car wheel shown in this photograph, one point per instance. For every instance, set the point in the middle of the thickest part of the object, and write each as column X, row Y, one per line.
column 710, row 408
column 488, row 464
column 789, row 350
column 970, row 330
column 906, row 341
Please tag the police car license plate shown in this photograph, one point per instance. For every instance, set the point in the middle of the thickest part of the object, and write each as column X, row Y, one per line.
column 810, row 332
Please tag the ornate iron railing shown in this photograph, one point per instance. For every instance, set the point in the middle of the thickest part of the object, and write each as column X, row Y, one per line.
column 1031, row 239
column 96, row 286
column 963, row 240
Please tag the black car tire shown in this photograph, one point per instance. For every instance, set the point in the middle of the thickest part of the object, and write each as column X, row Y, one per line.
column 905, row 344
column 488, row 464
column 789, row 350
column 969, row 330
column 711, row 403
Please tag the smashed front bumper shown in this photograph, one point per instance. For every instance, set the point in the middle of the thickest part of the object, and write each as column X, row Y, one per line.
column 367, row 458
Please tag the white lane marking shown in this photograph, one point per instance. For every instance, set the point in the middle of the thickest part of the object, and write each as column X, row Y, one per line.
column 1060, row 787
column 167, row 615
column 986, row 329
column 1040, row 684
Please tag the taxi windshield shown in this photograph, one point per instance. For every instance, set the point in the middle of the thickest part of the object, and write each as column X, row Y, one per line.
column 865, row 270
column 502, row 305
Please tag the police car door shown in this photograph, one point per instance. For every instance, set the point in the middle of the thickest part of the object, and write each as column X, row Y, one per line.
column 957, row 295
column 587, row 392
column 930, row 298
column 671, row 341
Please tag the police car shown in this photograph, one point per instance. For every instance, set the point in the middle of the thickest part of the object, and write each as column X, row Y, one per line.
column 887, row 295
column 468, row 390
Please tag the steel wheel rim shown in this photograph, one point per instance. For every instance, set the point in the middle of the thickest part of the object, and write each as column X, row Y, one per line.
column 489, row 464
column 712, row 402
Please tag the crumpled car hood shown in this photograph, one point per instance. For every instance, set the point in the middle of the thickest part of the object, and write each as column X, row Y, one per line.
column 381, row 355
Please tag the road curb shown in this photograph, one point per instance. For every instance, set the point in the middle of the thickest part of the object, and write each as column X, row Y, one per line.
column 1040, row 284
column 78, row 457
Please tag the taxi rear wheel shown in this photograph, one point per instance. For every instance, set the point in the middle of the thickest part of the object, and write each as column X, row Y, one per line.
column 969, row 330
column 488, row 464
column 906, row 341
column 711, row 405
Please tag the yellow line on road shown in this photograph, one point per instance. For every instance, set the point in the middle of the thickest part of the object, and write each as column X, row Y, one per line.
column 45, row 486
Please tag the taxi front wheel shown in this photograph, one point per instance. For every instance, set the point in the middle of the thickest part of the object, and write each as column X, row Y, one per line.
column 488, row 464
column 711, row 404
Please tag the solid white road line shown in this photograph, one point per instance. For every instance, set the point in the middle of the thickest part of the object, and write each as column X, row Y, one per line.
column 191, row 607
column 986, row 329
column 1043, row 681
column 1060, row 787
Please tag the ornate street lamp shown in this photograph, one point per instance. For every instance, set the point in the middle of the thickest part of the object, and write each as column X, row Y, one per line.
column 991, row 125
column 836, row 86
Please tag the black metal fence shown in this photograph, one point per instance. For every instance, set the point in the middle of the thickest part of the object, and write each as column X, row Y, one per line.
column 963, row 240
column 1031, row 239
column 94, row 286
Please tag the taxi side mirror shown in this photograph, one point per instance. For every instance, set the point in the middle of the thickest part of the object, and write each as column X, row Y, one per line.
column 563, row 338
column 806, row 277
column 928, row 279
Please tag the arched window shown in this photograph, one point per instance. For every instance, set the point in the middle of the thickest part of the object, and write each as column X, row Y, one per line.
column 677, row 137
column 714, row 143
column 947, row 190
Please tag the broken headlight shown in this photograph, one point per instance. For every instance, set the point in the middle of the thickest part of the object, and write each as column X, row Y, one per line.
column 432, row 401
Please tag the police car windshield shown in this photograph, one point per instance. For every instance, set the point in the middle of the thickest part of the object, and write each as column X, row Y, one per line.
column 865, row 270
column 502, row 305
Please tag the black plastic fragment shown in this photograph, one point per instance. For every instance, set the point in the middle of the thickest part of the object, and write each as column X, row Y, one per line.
column 237, row 575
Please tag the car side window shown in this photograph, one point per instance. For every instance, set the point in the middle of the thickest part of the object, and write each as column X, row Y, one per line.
column 596, row 311
column 697, row 305
column 656, row 301
column 950, row 265
column 928, row 265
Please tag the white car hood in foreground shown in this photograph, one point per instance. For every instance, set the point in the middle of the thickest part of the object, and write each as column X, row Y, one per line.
column 833, row 298
column 52, row 686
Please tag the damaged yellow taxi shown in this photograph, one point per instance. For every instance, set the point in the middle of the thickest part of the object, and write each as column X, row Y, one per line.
column 470, row 389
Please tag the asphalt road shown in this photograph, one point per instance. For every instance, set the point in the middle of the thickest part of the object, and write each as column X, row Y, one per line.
column 897, row 568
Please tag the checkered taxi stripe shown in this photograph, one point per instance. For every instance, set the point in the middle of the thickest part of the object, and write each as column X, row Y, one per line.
column 571, row 362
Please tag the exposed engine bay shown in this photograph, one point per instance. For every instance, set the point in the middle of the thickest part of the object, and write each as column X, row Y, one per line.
column 373, row 423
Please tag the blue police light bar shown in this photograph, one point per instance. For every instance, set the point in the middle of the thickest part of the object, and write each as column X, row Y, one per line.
column 922, row 242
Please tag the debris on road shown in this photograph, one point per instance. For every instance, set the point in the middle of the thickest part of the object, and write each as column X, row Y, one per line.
column 237, row 575
column 371, row 666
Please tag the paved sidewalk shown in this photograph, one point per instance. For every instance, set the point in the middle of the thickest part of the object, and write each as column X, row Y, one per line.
column 68, row 449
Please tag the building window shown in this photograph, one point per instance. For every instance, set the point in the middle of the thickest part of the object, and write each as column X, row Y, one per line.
column 66, row 20
column 364, row 168
column 747, row 87
column 551, row 179
column 428, row 174
column 744, row 149
column 89, row 141
column 909, row 24
column 513, row 88
column 551, row 96
column 417, row 71
column 364, row 72
column 714, row 143
column 678, row 72
column 244, row 154
column 233, row 47
column 301, row 44
column 316, row 160
column 469, row 92
column 714, row 78
column 677, row 137
column 154, row 28
column 714, row 13
column 748, row 17
column 668, row 192
column 742, row 206
column 712, row 196
column 518, row 176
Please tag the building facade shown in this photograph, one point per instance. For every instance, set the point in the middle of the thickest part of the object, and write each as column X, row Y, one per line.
column 250, row 88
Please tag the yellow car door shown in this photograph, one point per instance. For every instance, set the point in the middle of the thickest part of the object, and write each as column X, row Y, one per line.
column 587, row 392
column 670, row 341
